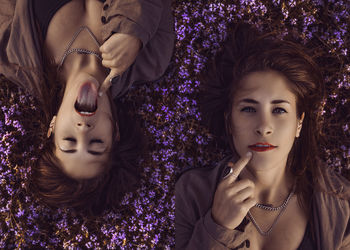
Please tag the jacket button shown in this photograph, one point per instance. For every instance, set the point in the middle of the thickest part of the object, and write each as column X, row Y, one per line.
column 103, row 19
column 105, row 6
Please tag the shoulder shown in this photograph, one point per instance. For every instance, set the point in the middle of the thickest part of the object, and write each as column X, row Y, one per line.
column 334, row 199
column 194, row 191
column 202, row 177
column 21, row 60
column 337, row 184
column 331, row 211
column 196, row 187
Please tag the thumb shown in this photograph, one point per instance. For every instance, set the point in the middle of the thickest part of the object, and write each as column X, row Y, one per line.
column 107, row 82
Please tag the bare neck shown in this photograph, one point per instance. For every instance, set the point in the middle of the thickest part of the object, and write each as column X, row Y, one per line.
column 76, row 63
column 271, row 186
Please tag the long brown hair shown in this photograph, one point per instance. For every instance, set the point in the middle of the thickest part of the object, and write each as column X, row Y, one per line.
column 246, row 51
column 121, row 174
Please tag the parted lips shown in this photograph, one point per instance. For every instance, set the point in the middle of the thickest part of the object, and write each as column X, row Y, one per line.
column 86, row 103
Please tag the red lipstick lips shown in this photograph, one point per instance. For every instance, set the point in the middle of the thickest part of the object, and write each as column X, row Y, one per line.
column 261, row 146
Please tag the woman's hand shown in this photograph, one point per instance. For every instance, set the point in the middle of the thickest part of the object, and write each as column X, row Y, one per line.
column 118, row 53
column 233, row 199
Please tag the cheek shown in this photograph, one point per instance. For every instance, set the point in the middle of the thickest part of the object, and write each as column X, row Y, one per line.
column 241, row 133
column 61, row 125
column 284, row 135
column 241, row 125
column 287, row 128
column 289, row 136
column 105, row 128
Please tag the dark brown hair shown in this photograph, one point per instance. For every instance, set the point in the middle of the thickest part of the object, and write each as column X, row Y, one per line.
column 121, row 174
column 246, row 51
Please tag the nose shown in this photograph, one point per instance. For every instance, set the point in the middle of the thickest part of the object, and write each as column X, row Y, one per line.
column 84, row 126
column 264, row 127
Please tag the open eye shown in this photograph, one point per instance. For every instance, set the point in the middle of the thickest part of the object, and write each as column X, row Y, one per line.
column 248, row 109
column 279, row 110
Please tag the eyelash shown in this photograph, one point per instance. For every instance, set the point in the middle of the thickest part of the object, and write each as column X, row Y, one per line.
column 74, row 140
column 252, row 110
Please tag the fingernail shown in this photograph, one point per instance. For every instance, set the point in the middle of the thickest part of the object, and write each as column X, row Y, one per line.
column 249, row 154
column 230, row 164
column 100, row 94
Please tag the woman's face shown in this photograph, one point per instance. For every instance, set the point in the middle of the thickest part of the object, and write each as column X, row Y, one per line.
column 83, row 141
column 264, row 119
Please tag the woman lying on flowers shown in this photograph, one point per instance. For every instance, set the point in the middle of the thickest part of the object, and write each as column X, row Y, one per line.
column 263, row 95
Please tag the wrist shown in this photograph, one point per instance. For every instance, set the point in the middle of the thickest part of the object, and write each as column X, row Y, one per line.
column 218, row 221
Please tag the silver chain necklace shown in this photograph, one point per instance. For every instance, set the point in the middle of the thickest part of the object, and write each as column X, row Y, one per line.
column 69, row 51
column 269, row 208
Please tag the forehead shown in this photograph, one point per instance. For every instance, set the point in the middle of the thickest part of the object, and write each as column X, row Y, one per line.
column 264, row 85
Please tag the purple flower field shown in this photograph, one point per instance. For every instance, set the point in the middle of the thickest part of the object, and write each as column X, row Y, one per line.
column 170, row 118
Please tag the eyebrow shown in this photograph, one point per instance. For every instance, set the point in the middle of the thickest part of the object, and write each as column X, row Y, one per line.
column 72, row 151
column 256, row 102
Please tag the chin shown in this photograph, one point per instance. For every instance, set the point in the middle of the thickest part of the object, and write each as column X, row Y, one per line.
column 262, row 161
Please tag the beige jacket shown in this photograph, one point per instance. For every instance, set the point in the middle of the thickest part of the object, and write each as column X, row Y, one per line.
column 195, row 228
column 151, row 21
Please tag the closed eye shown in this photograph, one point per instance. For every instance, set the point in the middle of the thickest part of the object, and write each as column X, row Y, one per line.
column 70, row 139
column 96, row 141
column 248, row 109
column 91, row 141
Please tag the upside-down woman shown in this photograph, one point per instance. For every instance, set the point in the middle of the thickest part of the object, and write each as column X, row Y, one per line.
column 77, row 57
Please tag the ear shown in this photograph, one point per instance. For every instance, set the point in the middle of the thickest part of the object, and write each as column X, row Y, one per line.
column 51, row 127
column 300, row 124
column 117, row 133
